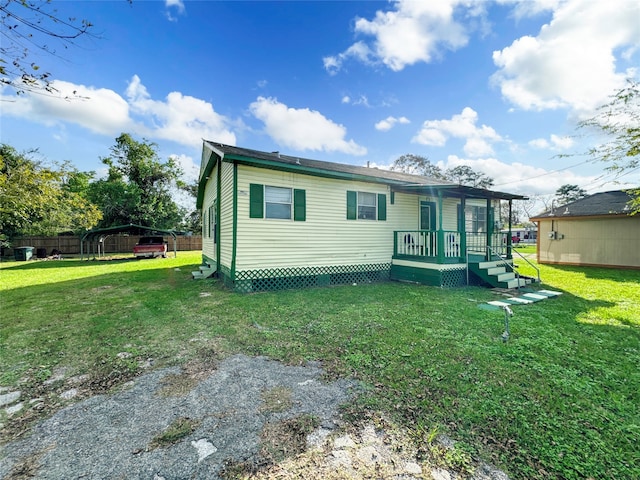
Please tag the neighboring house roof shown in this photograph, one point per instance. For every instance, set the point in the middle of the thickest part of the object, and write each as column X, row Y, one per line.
column 615, row 202
column 401, row 181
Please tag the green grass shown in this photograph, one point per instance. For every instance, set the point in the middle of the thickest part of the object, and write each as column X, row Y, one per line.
column 558, row 400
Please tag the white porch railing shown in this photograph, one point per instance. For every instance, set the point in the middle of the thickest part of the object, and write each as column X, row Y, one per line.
column 446, row 245
column 427, row 243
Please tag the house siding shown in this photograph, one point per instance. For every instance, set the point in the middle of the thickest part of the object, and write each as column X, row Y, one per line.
column 226, row 216
column 210, row 195
column 609, row 242
column 326, row 237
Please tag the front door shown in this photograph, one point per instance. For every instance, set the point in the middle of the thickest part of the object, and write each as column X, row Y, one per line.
column 428, row 238
column 428, row 216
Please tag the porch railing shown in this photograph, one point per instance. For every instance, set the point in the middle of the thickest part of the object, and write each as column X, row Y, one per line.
column 447, row 245
column 428, row 243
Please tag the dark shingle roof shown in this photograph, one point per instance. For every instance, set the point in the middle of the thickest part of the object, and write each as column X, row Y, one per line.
column 404, row 180
column 605, row 203
column 327, row 166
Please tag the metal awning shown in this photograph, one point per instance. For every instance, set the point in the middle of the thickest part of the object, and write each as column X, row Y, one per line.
column 97, row 236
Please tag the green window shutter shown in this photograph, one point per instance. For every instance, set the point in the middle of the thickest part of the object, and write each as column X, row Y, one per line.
column 352, row 205
column 382, row 206
column 256, row 200
column 299, row 205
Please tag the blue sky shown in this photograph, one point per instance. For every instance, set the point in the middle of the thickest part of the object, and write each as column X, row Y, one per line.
column 497, row 85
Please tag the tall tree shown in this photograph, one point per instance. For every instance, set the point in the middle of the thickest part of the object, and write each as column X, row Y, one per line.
column 138, row 187
column 30, row 27
column 36, row 199
column 417, row 165
column 569, row 193
column 465, row 175
column 619, row 122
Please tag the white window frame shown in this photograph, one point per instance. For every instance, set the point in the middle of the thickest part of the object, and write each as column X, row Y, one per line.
column 267, row 202
column 359, row 213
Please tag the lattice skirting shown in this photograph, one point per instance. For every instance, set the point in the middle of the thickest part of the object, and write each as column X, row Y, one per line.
column 247, row 281
column 454, row 277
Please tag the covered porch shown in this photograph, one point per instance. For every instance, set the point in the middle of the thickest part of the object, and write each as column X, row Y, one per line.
column 479, row 249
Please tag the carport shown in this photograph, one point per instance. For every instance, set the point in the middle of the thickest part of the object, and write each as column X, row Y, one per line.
column 94, row 239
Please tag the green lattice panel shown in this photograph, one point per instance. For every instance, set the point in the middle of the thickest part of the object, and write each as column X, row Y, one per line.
column 454, row 277
column 305, row 277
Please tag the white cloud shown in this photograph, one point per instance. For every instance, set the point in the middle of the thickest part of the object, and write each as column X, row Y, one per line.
column 362, row 100
column 520, row 178
column 530, row 8
column 191, row 171
column 359, row 50
column 390, row 122
column 99, row 110
column 463, row 125
column 409, row 33
column 182, row 119
column 571, row 63
column 555, row 142
column 173, row 5
column 179, row 118
column 302, row 129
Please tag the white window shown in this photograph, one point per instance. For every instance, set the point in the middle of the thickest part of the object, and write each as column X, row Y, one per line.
column 367, row 206
column 277, row 202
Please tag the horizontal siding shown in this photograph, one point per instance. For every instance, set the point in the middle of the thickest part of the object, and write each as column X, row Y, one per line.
column 326, row 237
column 210, row 193
column 603, row 241
column 226, row 215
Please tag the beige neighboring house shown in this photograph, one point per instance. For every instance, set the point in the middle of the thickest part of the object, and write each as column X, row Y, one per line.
column 597, row 230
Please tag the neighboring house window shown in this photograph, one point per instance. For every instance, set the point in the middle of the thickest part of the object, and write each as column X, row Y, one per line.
column 366, row 206
column 277, row 202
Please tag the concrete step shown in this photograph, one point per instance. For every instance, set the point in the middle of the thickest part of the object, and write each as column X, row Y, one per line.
column 505, row 277
column 496, row 270
column 517, row 283
column 204, row 271
column 525, row 299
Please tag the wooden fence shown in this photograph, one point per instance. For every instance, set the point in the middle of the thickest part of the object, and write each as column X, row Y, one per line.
column 70, row 245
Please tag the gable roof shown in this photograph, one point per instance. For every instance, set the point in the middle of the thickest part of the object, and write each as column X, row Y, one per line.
column 615, row 202
column 399, row 181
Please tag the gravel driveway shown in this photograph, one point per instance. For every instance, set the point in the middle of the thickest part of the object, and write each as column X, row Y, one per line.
column 127, row 434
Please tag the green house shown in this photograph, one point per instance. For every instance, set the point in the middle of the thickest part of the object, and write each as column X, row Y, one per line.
column 273, row 221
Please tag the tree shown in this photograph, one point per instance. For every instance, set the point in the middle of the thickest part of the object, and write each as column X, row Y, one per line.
column 465, row 175
column 28, row 28
column 462, row 174
column 35, row 199
column 138, row 187
column 569, row 193
column 619, row 121
column 417, row 165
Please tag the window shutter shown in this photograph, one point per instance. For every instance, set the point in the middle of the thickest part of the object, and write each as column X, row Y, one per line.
column 382, row 206
column 352, row 205
column 256, row 200
column 299, row 205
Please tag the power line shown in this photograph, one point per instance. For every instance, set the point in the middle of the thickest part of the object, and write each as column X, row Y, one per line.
column 543, row 174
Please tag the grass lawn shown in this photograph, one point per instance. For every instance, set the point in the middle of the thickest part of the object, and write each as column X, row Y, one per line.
column 560, row 399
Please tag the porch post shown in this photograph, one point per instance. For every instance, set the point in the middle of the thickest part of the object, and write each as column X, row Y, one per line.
column 462, row 228
column 489, row 220
column 509, row 241
column 440, row 231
